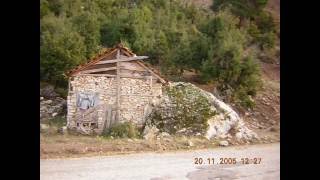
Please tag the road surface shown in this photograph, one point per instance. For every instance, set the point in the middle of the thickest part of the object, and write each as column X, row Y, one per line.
column 169, row 166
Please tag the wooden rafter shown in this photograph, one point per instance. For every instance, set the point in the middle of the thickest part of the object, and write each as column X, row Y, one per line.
column 123, row 55
column 118, row 86
column 99, row 70
column 92, row 62
column 153, row 73
column 98, row 75
column 122, row 59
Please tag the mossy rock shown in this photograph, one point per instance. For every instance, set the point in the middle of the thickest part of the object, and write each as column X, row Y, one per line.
column 183, row 110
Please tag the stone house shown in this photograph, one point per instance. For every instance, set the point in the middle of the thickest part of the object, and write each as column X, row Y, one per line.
column 113, row 87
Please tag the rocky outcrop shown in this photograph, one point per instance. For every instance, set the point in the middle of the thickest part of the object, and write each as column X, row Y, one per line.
column 226, row 121
column 48, row 92
column 181, row 110
column 205, row 114
column 150, row 133
column 52, row 108
column 51, row 105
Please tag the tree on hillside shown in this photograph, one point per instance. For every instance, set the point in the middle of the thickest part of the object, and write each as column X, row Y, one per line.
column 87, row 26
column 227, row 64
column 61, row 48
column 176, row 36
column 245, row 9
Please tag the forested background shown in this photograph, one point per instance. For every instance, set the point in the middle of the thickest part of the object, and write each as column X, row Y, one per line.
column 216, row 43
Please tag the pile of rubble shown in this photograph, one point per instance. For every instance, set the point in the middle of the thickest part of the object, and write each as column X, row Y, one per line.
column 51, row 105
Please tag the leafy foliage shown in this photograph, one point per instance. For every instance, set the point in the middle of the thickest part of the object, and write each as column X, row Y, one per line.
column 243, row 8
column 174, row 35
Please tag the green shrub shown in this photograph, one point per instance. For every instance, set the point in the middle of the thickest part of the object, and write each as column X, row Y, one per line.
column 254, row 32
column 122, row 130
column 267, row 40
column 248, row 83
column 63, row 92
column 242, row 98
column 265, row 22
column 58, row 121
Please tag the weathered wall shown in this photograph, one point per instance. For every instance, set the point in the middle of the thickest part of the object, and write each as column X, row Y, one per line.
column 105, row 86
column 136, row 94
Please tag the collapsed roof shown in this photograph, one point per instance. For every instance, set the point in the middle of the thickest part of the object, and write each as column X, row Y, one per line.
column 111, row 61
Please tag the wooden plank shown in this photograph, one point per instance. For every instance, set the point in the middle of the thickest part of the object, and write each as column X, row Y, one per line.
column 129, row 73
column 131, row 66
column 122, row 60
column 133, row 69
column 107, row 122
column 113, row 118
column 98, row 75
column 118, row 86
column 83, row 67
column 99, row 70
column 133, row 77
column 156, row 75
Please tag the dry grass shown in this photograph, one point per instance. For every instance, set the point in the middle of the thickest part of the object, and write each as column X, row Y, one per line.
column 62, row 146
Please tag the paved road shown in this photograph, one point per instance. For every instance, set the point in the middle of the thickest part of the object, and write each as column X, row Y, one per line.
column 168, row 166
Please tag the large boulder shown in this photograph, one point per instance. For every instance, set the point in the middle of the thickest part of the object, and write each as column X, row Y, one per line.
column 227, row 121
column 188, row 110
column 181, row 110
column 150, row 133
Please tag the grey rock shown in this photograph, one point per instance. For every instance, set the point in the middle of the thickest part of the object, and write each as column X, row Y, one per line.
column 47, row 101
column 224, row 122
column 44, row 127
column 63, row 130
column 165, row 135
column 150, row 133
column 182, row 130
column 223, row 143
column 190, row 143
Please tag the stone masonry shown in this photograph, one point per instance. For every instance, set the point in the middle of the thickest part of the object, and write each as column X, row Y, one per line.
column 136, row 97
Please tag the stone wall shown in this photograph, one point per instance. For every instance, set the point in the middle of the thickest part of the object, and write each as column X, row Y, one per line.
column 136, row 95
column 135, row 100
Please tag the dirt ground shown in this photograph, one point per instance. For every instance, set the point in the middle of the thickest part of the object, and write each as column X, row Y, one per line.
column 265, row 117
column 60, row 146
column 69, row 146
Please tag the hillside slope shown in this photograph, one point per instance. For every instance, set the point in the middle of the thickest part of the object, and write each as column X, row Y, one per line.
column 265, row 117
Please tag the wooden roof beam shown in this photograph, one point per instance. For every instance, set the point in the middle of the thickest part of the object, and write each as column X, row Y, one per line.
column 98, row 70
column 98, row 75
column 153, row 73
column 122, row 59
